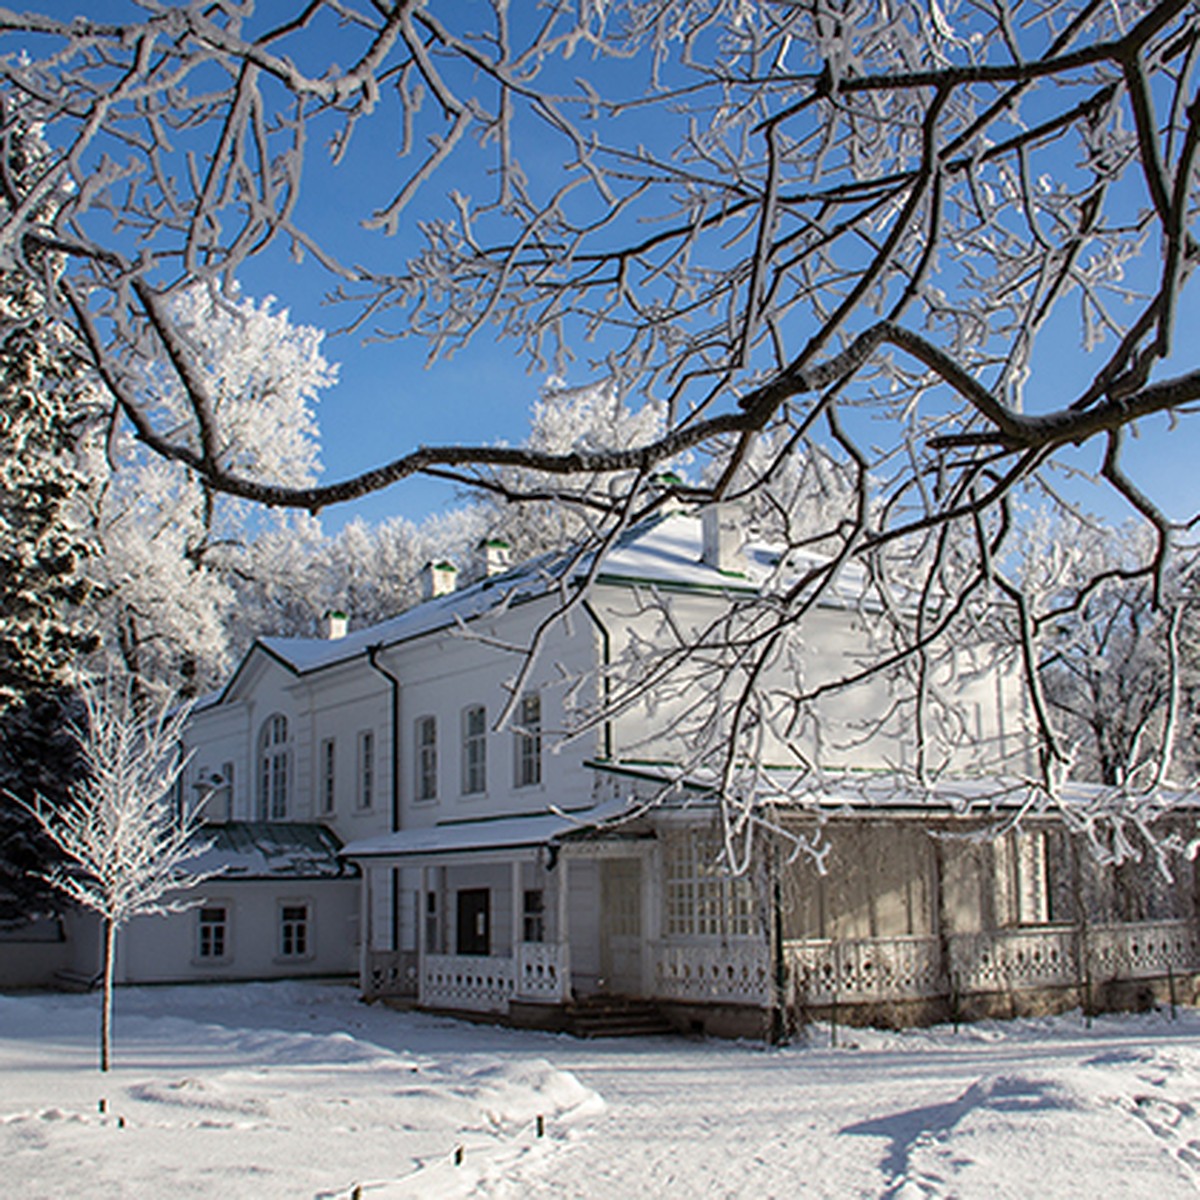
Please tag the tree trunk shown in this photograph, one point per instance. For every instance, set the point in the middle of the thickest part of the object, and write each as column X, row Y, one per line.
column 110, row 946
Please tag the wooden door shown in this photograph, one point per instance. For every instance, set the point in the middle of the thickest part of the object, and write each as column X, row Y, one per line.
column 621, row 926
column 474, row 924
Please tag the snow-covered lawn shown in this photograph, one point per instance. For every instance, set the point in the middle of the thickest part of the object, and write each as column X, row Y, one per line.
column 296, row 1090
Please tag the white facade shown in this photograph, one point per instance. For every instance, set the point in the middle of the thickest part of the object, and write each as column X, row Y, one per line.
column 485, row 884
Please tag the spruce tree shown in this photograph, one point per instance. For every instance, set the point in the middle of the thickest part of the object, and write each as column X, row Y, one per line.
column 44, row 391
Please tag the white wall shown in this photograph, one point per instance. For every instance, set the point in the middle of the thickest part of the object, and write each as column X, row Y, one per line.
column 165, row 949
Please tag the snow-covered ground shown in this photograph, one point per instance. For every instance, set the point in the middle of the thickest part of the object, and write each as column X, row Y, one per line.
column 296, row 1090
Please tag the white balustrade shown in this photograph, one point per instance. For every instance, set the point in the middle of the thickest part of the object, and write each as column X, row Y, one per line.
column 543, row 971
column 860, row 969
column 730, row 972
column 1012, row 959
column 391, row 973
column 1141, row 950
column 475, row 983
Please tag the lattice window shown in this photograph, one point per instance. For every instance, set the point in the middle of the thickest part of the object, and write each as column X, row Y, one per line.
column 701, row 898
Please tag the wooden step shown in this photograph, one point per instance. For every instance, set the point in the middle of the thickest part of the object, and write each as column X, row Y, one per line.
column 616, row 1016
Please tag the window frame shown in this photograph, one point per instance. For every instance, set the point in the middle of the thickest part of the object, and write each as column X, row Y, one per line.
column 274, row 768
column 700, row 899
column 474, row 750
column 219, row 928
column 527, row 749
column 425, row 758
column 327, row 766
column 295, row 930
column 367, row 771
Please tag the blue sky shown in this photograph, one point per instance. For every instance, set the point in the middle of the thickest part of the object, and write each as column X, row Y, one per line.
column 388, row 400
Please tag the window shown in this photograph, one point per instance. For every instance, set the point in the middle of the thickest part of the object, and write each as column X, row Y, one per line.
column 427, row 764
column 213, row 928
column 535, row 915
column 474, row 767
column 274, row 769
column 701, row 898
column 1021, row 860
column 293, row 930
column 431, row 923
column 328, row 776
column 529, row 741
column 366, row 768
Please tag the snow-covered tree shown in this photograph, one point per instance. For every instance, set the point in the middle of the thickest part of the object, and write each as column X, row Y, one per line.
column 859, row 228
column 1120, row 673
column 125, row 844
column 46, row 397
column 46, row 625
column 172, row 549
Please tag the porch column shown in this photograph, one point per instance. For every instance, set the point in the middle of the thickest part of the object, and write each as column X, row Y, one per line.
column 563, row 939
column 517, row 907
column 364, row 931
column 562, row 923
column 422, row 901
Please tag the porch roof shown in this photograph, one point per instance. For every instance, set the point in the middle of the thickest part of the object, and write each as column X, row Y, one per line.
column 887, row 793
column 268, row 850
column 472, row 836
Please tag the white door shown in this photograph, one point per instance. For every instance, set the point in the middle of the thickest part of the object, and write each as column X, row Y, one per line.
column 621, row 926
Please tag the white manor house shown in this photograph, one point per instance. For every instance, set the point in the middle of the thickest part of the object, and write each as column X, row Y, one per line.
column 371, row 817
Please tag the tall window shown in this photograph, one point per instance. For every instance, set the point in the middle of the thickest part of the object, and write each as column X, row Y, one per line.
column 274, row 769
column 293, row 930
column 427, row 762
column 212, row 931
column 366, row 768
column 474, row 765
column 701, row 899
column 529, row 741
column 328, row 776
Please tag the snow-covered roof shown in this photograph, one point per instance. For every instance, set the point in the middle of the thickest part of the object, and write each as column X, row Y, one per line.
column 523, row 830
column 665, row 551
column 269, row 850
column 864, row 792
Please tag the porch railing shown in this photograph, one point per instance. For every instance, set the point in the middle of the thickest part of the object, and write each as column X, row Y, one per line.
column 391, row 973
column 1009, row 959
column 543, row 971
column 729, row 972
column 474, row 983
column 846, row 970
column 1146, row 950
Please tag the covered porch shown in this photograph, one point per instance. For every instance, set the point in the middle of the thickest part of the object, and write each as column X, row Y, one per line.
column 481, row 916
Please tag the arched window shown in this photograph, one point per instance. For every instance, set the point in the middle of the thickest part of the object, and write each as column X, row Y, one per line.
column 274, row 768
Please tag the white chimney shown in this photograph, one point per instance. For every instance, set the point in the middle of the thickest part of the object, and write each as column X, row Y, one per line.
column 439, row 579
column 721, row 529
column 334, row 624
column 496, row 555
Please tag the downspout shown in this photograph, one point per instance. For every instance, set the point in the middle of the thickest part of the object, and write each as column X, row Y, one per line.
column 372, row 658
column 606, row 682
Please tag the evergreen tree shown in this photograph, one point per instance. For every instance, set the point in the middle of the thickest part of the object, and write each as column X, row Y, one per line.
column 44, row 393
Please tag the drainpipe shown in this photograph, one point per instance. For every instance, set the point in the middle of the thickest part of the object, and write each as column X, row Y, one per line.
column 606, row 682
column 373, row 659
